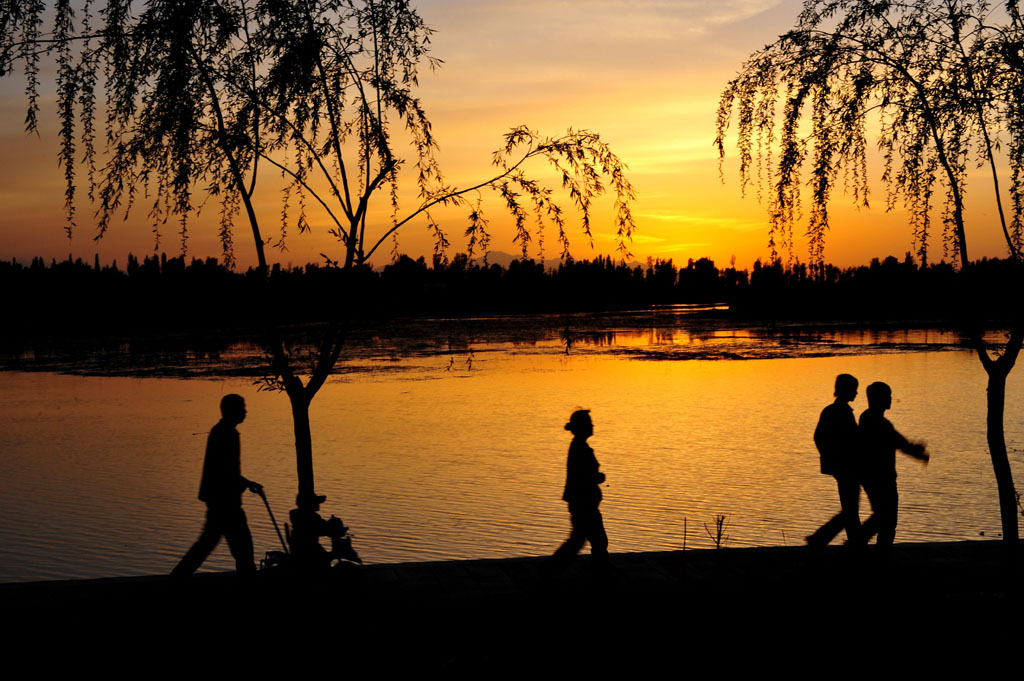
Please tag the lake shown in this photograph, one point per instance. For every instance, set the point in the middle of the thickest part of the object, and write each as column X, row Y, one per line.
column 453, row 446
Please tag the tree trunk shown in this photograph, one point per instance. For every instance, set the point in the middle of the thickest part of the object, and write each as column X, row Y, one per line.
column 1000, row 461
column 303, row 443
column 997, row 371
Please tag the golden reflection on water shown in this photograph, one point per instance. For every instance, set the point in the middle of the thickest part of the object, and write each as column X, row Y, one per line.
column 426, row 460
column 708, row 341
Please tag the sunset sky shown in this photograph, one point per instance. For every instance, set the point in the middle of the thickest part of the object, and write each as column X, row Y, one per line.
column 644, row 74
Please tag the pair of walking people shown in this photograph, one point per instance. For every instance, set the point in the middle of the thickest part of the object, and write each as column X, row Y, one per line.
column 859, row 455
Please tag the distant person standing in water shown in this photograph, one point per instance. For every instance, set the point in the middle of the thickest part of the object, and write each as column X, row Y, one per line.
column 880, row 440
column 221, row 490
column 583, row 494
column 836, row 440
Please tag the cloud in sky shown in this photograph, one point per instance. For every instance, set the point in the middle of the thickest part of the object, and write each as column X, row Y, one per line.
column 717, row 222
column 616, row 35
column 605, row 18
column 638, row 239
column 674, row 249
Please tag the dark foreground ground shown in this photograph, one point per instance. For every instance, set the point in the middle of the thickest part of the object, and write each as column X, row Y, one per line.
column 946, row 608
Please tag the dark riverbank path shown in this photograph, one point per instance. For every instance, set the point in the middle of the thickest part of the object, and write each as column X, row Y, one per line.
column 730, row 609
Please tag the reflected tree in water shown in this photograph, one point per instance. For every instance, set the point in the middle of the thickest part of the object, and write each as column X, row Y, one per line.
column 939, row 88
column 176, row 104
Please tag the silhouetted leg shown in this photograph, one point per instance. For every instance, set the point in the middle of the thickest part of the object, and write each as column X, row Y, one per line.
column 849, row 498
column 888, row 513
column 577, row 537
column 596, row 535
column 572, row 545
column 870, row 527
column 848, row 518
column 236, row 531
column 827, row 532
column 598, row 539
column 884, row 504
column 207, row 541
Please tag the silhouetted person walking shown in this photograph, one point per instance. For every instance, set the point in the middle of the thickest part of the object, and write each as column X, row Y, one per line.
column 880, row 440
column 836, row 440
column 583, row 494
column 221, row 489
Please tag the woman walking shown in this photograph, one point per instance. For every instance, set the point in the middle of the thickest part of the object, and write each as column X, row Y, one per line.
column 583, row 494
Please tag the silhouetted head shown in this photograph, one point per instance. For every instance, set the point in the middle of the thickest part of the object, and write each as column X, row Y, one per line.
column 309, row 502
column 232, row 408
column 879, row 396
column 580, row 424
column 846, row 387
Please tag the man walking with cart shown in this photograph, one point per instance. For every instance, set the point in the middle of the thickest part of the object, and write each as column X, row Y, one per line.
column 221, row 490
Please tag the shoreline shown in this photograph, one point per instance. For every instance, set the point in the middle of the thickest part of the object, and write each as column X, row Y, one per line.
column 204, row 355
column 455, row 615
column 730, row 567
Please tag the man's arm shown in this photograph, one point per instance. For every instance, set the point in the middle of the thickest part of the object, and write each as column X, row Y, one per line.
column 916, row 450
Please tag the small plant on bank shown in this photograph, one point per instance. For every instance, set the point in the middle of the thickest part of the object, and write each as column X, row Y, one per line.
column 718, row 535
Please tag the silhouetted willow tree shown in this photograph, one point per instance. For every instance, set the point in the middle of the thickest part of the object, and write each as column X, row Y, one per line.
column 202, row 96
column 937, row 86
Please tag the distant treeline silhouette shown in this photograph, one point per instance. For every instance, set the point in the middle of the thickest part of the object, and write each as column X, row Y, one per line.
column 161, row 293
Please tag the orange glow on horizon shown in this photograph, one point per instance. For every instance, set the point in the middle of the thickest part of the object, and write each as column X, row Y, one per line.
column 647, row 80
